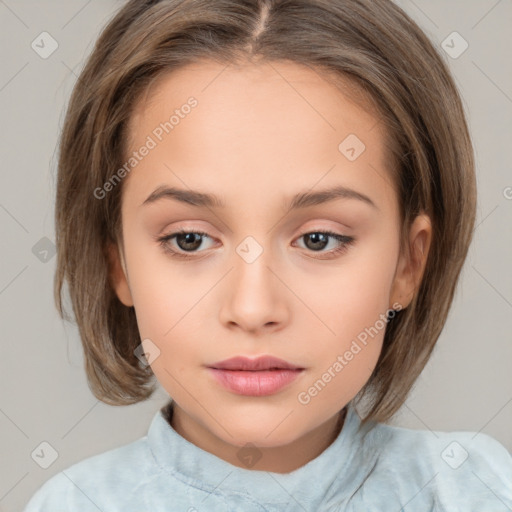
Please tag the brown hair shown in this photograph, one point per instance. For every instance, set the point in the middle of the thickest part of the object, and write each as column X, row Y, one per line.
column 371, row 43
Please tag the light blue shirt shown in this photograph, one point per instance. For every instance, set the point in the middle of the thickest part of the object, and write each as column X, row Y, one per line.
column 376, row 467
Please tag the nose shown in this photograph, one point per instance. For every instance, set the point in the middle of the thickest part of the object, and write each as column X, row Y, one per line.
column 255, row 299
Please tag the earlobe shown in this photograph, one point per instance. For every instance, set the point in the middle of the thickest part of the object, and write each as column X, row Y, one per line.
column 118, row 276
column 412, row 263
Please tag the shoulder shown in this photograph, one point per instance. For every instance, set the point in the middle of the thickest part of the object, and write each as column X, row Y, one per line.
column 458, row 470
column 90, row 483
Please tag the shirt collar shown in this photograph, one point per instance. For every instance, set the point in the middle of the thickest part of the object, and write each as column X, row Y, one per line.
column 335, row 474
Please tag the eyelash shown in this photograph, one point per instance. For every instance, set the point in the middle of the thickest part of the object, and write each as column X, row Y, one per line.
column 346, row 241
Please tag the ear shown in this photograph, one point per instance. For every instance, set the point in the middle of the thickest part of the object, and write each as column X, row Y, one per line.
column 411, row 264
column 118, row 275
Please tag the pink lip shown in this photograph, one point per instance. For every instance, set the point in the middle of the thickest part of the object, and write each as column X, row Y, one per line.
column 255, row 377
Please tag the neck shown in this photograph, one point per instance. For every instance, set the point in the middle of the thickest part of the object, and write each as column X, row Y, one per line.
column 277, row 459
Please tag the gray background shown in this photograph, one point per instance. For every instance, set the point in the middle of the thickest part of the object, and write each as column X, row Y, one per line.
column 44, row 395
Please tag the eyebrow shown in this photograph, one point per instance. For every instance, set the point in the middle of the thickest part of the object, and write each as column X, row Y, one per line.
column 300, row 200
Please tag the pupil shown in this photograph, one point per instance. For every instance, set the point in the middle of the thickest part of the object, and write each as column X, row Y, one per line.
column 319, row 240
column 190, row 238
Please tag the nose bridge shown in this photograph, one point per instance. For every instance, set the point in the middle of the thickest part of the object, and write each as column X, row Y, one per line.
column 252, row 262
column 254, row 296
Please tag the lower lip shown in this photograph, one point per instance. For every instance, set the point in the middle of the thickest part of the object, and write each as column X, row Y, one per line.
column 255, row 383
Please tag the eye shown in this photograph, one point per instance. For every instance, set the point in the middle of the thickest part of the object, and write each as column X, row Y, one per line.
column 319, row 240
column 187, row 241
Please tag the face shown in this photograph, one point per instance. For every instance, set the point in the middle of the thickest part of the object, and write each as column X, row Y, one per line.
column 272, row 265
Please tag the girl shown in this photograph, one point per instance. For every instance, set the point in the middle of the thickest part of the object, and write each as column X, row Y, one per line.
column 267, row 204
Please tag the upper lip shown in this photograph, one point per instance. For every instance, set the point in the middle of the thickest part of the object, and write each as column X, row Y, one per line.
column 259, row 363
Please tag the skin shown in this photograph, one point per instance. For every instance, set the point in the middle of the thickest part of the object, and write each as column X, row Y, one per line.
column 256, row 138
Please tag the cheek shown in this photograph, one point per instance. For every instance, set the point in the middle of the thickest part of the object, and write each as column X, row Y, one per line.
column 358, row 292
column 171, row 304
column 355, row 309
column 160, row 294
column 166, row 311
column 354, row 303
column 164, row 305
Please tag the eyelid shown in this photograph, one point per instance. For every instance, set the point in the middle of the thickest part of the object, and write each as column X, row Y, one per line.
column 344, row 240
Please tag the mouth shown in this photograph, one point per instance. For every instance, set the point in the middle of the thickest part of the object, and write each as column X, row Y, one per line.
column 262, row 363
column 255, row 377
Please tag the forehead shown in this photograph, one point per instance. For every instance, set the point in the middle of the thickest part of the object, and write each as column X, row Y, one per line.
column 280, row 82
column 256, row 126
